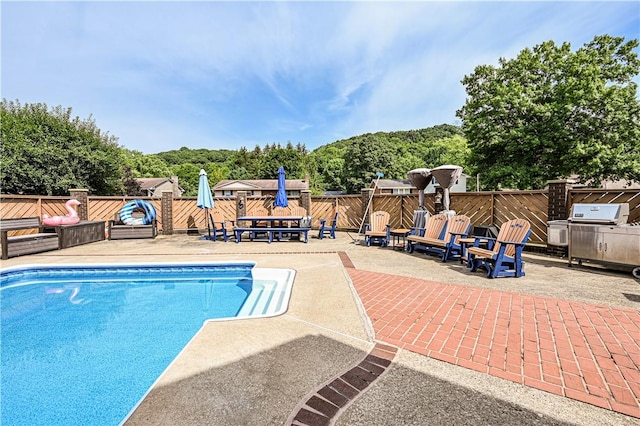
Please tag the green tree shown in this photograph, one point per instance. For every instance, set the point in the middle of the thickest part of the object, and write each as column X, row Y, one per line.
column 198, row 157
column 239, row 173
column 288, row 158
column 130, row 186
column 47, row 152
column 216, row 173
column 364, row 157
column 146, row 166
column 249, row 161
column 188, row 176
column 450, row 150
column 551, row 112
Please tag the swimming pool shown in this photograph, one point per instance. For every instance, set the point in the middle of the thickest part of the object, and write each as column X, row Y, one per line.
column 83, row 344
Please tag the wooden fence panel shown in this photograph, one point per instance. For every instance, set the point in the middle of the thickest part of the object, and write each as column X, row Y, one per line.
column 53, row 207
column 349, row 209
column 478, row 206
column 408, row 204
column 484, row 208
column 227, row 206
column 187, row 216
column 390, row 204
column 322, row 208
column 253, row 202
column 105, row 208
column 19, row 206
column 530, row 205
column 599, row 196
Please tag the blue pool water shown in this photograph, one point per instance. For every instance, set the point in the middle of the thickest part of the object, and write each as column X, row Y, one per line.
column 82, row 345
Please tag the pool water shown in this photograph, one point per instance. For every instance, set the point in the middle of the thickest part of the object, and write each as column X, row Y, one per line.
column 83, row 345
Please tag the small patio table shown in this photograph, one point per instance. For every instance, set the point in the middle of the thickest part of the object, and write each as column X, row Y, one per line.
column 398, row 236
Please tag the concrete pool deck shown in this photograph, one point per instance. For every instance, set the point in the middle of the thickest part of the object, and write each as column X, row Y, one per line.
column 350, row 302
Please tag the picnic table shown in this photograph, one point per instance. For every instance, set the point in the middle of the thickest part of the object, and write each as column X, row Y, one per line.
column 272, row 227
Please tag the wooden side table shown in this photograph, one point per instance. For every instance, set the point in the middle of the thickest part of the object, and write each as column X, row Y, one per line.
column 399, row 238
column 463, row 247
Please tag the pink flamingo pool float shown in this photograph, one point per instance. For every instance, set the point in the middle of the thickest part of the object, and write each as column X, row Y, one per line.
column 69, row 219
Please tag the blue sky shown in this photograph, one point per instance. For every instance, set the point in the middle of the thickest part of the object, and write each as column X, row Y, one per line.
column 162, row 75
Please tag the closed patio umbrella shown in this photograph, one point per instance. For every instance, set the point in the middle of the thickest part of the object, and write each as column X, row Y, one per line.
column 281, row 195
column 446, row 176
column 205, row 200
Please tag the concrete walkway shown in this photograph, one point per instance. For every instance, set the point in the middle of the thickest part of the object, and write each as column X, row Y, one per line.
column 558, row 346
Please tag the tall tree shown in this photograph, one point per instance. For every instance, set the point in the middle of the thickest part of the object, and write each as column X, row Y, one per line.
column 551, row 112
column 288, row 158
column 146, row 166
column 364, row 157
column 188, row 176
column 47, row 152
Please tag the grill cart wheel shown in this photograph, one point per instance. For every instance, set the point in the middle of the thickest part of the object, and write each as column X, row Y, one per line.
column 636, row 272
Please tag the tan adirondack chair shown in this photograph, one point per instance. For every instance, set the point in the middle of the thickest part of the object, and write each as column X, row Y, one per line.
column 434, row 229
column 378, row 229
column 448, row 245
column 503, row 258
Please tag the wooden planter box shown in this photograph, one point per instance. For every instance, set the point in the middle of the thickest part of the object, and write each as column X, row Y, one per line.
column 119, row 231
column 83, row 232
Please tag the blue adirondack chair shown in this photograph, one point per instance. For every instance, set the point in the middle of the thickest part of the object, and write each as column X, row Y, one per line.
column 328, row 226
column 503, row 257
column 221, row 227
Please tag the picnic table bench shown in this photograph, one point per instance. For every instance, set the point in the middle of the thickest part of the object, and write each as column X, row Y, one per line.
column 303, row 233
column 18, row 245
column 275, row 227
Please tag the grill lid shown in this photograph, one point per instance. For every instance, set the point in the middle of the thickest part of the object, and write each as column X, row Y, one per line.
column 617, row 214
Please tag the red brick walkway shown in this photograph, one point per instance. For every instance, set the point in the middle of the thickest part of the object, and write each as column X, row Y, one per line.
column 587, row 352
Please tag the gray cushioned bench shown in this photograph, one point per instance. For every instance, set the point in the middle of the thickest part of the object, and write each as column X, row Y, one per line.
column 18, row 245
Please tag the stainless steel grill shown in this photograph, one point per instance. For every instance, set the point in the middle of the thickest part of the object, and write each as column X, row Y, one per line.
column 600, row 233
column 614, row 214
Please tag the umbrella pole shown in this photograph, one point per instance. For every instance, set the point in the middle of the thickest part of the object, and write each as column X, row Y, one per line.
column 364, row 216
column 206, row 212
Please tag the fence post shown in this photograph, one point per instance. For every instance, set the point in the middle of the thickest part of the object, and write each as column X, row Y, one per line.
column 167, row 212
column 367, row 199
column 81, row 195
column 558, row 208
column 305, row 200
column 241, row 203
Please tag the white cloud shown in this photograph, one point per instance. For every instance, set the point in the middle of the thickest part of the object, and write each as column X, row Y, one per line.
column 223, row 74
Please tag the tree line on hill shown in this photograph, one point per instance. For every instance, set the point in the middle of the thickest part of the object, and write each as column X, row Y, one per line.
column 548, row 113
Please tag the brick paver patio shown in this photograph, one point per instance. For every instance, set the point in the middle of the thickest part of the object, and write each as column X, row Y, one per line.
column 587, row 352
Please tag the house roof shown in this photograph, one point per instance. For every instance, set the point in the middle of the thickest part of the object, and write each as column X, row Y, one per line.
column 392, row 184
column 260, row 184
column 153, row 183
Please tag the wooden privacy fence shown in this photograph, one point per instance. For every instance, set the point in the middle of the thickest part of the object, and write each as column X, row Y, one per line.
column 484, row 208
